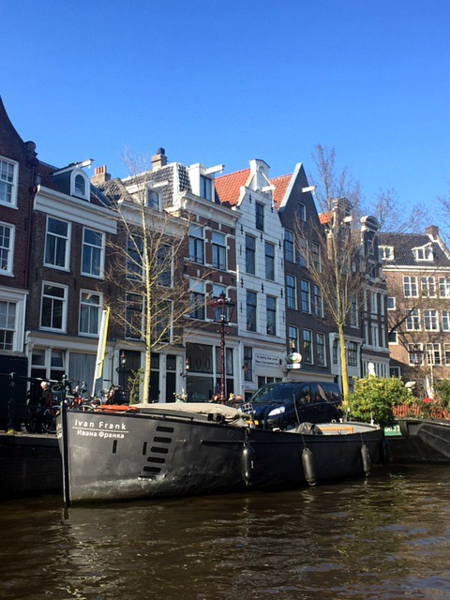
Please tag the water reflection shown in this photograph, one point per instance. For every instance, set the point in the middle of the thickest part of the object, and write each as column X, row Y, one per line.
column 387, row 537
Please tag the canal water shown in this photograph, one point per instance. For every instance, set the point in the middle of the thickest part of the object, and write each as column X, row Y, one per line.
column 387, row 537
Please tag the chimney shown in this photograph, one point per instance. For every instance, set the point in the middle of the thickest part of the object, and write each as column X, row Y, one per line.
column 100, row 175
column 432, row 231
column 159, row 159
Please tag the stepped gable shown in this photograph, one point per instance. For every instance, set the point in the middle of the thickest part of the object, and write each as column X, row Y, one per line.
column 228, row 187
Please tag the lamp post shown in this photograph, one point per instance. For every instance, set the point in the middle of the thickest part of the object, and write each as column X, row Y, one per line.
column 223, row 310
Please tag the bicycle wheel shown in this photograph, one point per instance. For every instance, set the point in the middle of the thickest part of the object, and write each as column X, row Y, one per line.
column 30, row 421
column 49, row 419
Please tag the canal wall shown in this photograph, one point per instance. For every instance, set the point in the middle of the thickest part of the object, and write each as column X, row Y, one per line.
column 29, row 464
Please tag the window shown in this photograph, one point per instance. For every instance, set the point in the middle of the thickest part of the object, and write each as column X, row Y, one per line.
column 307, row 347
column 153, row 199
column 413, row 320
column 271, row 315
column 270, row 261
column 373, row 303
column 301, row 210
column 163, row 321
column 415, row 353
column 335, row 351
column 305, row 296
column 289, row 249
column 387, row 252
column 197, row 299
column 90, row 308
column 392, row 337
column 390, row 302
column 134, row 257
column 315, row 256
column 7, row 324
column 445, row 320
column 79, row 184
column 57, row 244
column 196, row 244
column 250, row 254
column 444, row 287
column 317, row 302
column 134, row 316
column 353, row 314
column 303, row 254
column 248, row 363
column 427, row 287
column 259, row 215
column 320, row 348
column 251, row 311
column 8, row 182
column 293, row 338
column 430, row 318
column 164, row 265
column 433, row 352
column 92, row 253
column 410, row 287
column 447, row 354
column 54, row 307
column 425, row 253
column 205, row 187
column 352, row 354
column 374, row 335
column 6, row 248
column 291, row 292
column 47, row 363
column 219, row 250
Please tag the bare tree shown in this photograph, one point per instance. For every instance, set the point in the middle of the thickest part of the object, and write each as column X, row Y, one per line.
column 341, row 272
column 146, row 260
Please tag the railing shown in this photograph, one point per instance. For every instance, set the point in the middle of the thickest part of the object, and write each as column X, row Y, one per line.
column 421, row 409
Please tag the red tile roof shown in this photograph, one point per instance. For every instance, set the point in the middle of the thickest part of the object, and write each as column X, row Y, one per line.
column 281, row 184
column 228, row 187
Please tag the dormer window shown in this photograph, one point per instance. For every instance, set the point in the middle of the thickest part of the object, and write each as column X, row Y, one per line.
column 205, row 187
column 152, row 199
column 425, row 253
column 387, row 252
column 79, row 184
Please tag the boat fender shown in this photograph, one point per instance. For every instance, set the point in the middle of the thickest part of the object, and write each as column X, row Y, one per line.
column 248, row 457
column 365, row 455
column 309, row 467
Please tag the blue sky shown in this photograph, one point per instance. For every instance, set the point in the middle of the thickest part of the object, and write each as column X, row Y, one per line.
column 224, row 82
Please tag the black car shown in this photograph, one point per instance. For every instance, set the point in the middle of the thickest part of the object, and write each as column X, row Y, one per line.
column 285, row 405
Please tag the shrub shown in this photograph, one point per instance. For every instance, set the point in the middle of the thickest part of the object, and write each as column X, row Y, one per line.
column 374, row 398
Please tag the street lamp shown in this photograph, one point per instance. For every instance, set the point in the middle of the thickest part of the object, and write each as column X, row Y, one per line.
column 223, row 310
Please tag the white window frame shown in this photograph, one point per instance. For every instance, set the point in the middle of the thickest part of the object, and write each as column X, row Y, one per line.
column 444, row 287
column 412, row 321
column 196, row 244
column 73, row 186
column 431, row 319
column 289, row 246
column 445, row 320
column 93, row 248
column 423, row 253
column 410, row 289
column 219, row 250
column 309, row 360
column 393, row 300
column 305, row 292
column 428, row 286
column 7, row 251
column 58, row 239
column 8, row 324
column 292, row 296
column 90, row 307
column 63, row 300
column 12, row 185
column 386, row 252
column 321, row 343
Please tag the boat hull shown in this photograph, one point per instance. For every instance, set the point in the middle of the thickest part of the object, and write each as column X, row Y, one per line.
column 126, row 456
column 428, row 439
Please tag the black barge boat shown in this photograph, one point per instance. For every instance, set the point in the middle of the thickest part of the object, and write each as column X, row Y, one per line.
column 162, row 450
